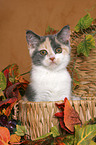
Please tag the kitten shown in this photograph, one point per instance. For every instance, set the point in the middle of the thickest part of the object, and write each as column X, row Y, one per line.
column 50, row 80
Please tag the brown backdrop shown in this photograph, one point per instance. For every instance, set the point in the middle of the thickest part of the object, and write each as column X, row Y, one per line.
column 16, row 16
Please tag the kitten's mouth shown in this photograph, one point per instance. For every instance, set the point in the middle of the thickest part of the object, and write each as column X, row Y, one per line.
column 53, row 64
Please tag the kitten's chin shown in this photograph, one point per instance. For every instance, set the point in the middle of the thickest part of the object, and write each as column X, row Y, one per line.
column 53, row 66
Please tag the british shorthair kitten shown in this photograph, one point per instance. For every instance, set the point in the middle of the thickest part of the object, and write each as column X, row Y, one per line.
column 50, row 80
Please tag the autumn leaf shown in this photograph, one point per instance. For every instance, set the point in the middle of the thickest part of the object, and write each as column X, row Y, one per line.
column 84, row 23
column 60, row 106
column 9, row 108
column 2, row 81
column 61, row 143
column 13, row 86
column 92, row 143
column 86, row 45
column 68, row 118
column 71, row 117
column 12, row 91
column 21, row 130
column 54, row 132
column 2, row 96
column 13, row 72
column 10, row 102
column 84, row 134
column 4, row 136
column 14, row 138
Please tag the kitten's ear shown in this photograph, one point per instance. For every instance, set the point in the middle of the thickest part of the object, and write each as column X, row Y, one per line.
column 64, row 35
column 32, row 40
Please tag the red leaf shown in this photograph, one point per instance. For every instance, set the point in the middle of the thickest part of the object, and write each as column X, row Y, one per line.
column 6, row 73
column 62, row 123
column 9, row 108
column 71, row 117
column 59, row 114
column 9, row 103
column 63, row 126
column 9, row 100
column 60, row 106
column 13, row 70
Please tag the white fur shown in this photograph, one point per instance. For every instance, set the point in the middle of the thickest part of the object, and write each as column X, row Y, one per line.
column 50, row 85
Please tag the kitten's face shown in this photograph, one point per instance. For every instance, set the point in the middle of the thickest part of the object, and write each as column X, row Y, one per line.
column 51, row 52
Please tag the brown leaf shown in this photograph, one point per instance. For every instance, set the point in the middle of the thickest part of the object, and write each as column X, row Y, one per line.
column 71, row 117
column 12, row 91
column 68, row 117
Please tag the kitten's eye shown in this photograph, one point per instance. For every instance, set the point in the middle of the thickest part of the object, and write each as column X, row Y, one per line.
column 58, row 50
column 43, row 52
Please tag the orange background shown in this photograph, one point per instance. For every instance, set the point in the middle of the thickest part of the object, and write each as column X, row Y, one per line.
column 17, row 16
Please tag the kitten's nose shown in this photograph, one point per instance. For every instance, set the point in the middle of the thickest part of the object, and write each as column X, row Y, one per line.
column 52, row 58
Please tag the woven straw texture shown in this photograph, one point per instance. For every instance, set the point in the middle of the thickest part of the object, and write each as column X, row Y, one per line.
column 85, row 66
column 38, row 117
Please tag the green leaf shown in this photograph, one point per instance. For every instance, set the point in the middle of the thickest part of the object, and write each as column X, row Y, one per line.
column 92, row 143
column 55, row 131
column 86, row 45
column 2, row 97
column 69, row 140
column 84, row 23
column 13, row 72
column 84, row 134
column 20, row 130
column 2, row 81
column 48, row 29
column 44, row 136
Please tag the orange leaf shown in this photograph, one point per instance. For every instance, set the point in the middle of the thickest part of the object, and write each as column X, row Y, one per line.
column 15, row 138
column 4, row 136
column 71, row 117
column 61, row 143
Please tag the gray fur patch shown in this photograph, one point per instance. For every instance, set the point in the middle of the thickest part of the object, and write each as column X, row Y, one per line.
column 30, row 93
column 37, row 58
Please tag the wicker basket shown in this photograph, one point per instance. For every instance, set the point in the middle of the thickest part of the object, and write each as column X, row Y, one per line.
column 38, row 117
column 85, row 66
